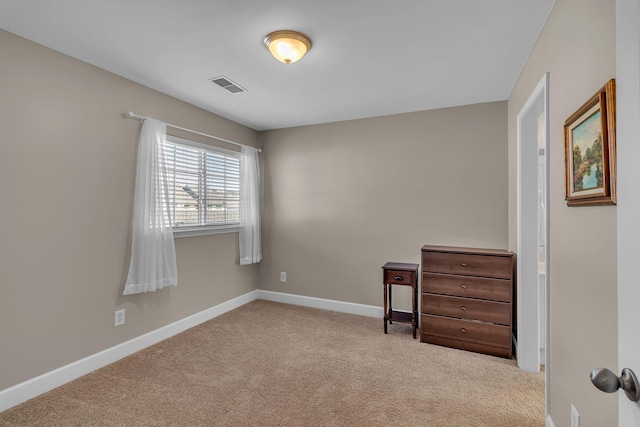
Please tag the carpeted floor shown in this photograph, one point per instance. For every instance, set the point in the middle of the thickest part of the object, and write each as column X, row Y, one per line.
column 272, row 364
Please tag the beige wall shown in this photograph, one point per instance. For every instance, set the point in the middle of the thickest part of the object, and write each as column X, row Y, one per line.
column 577, row 48
column 341, row 199
column 67, row 161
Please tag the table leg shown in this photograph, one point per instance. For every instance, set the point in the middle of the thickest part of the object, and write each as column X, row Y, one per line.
column 415, row 309
column 384, row 287
column 390, row 306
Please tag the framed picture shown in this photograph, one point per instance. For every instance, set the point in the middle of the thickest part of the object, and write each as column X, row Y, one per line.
column 590, row 150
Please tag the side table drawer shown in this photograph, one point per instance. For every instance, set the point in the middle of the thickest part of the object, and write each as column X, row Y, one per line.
column 464, row 330
column 399, row 277
column 466, row 308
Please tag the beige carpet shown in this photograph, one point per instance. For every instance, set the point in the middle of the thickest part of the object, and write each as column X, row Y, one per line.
column 267, row 364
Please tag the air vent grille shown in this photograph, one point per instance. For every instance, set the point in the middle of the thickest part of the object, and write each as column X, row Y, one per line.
column 226, row 83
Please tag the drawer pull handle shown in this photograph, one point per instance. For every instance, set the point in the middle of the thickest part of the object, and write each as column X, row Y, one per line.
column 463, row 286
column 398, row 278
column 463, row 330
column 464, row 264
column 463, row 308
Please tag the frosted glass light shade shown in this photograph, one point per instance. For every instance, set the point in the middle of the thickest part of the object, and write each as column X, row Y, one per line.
column 287, row 46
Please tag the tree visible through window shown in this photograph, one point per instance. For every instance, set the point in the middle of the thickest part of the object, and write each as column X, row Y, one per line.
column 204, row 184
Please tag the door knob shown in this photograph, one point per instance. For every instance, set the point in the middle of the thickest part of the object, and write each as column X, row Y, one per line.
column 608, row 382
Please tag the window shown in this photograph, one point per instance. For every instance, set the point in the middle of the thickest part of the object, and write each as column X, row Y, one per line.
column 204, row 187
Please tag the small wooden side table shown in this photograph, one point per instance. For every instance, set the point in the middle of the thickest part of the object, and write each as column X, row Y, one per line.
column 398, row 273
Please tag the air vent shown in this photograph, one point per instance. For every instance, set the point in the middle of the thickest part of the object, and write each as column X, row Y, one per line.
column 226, row 83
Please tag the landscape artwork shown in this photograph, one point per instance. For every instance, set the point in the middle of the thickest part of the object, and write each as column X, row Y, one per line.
column 590, row 151
column 588, row 161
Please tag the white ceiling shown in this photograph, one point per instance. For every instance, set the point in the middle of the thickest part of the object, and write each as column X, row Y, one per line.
column 369, row 57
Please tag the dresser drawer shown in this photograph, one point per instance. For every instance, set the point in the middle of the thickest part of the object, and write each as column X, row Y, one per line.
column 399, row 277
column 465, row 330
column 467, row 345
column 464, row 286
column 468, row 264
column 466, row 308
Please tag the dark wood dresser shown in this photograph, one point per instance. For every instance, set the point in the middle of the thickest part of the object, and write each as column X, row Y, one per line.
column 467, row 297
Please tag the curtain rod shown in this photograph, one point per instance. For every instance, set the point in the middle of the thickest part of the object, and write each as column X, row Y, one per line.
column 132, row 115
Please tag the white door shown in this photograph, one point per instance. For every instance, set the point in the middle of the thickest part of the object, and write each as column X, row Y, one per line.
column 628, row 142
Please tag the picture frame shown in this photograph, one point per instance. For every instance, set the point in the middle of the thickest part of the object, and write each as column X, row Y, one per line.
column 590, row 151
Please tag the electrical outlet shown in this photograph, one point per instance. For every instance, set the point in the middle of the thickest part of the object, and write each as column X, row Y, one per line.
column 575, row 417
column 283, row 277
column 119, row 320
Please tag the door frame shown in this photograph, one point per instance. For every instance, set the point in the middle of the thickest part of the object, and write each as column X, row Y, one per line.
column 528, row 304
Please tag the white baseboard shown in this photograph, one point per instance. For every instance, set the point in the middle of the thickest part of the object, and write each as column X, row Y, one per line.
column 31, row 388
column 550, row 421
column 326, row 304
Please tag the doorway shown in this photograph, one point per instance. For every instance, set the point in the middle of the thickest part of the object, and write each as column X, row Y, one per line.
column 532, row 231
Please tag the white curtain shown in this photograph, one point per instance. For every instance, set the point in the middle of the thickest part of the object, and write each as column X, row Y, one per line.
column 250, row 246
column 153, row 256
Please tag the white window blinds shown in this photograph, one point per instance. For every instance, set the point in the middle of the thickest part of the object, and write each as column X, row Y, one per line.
column 204, row 184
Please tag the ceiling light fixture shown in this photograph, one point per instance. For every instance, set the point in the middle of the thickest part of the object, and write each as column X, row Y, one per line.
column 287, row 46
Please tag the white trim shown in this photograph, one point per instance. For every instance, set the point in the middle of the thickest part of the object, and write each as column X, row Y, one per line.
column 527, row 303
column 179, row 232
column 542, row 88
column 550, row 421
column 31, row 388
column 326, row 304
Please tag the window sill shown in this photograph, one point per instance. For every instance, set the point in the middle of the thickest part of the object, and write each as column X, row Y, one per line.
column 204, row 231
